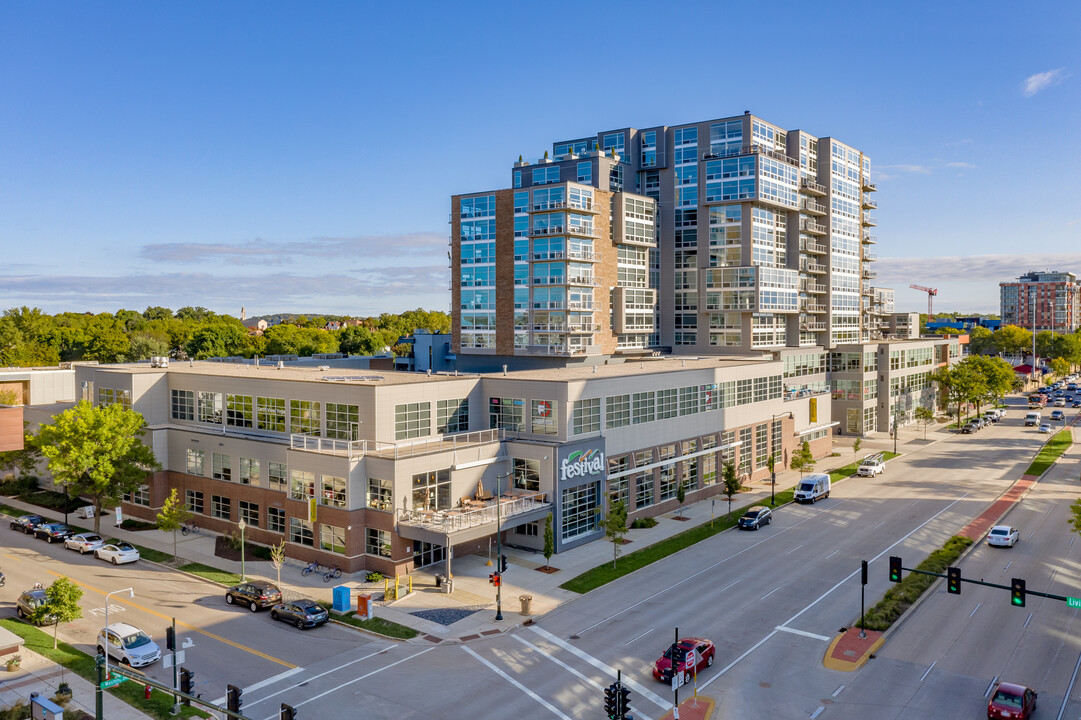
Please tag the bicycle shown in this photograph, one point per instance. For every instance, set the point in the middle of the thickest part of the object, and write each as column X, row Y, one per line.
column 310, row 568
column 189, row 528
column 332, row 574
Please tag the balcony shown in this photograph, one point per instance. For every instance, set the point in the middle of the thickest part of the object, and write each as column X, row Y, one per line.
column 815, row 288
column 870, row 240
column 870, row 257
column 810, row 226
column 816, row 326
column 813, row 207
column 869, row 186
column 868, row 274
column 869, row 204
column 584, row 231
column 817, row 248
column 473, row 519
column 809, row 186
column 588, row 280
column 869, row 220
column 374, row 448
column 563, row 350
column 816, row 268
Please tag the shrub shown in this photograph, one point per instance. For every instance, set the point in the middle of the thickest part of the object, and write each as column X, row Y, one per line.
column 132, row 524
column 374, row 577
column 643, row 523
column 19, row 486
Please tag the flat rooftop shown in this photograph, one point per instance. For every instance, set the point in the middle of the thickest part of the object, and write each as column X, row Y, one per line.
column 635, row 367
column 269, row 370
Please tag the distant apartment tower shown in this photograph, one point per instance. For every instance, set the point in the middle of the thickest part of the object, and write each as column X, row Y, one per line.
column 1041, row 300
column 728, row 235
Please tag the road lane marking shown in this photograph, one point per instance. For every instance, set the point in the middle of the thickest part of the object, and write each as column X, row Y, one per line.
column 838, row 690
column 641, row 689
column 554, row 710
column 639, row 637
column 991, row 686
column 832, row 554
column 794, row 549
column 732, row 664
column 928, row 671
column 817, row 712
column 1027, row 620
column 729, row 585
column 263, row 683
column 637, row 713
column 1007, row 566
column 876, row 527
column 350, row 682
column 316, row 677
column 1030, row 535
column 771, row 592
column 1069, row 690
column 975, row 609
column 804, row 633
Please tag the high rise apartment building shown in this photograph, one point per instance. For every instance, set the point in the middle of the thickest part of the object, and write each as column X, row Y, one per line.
column 728, row 235
column 1041, row 301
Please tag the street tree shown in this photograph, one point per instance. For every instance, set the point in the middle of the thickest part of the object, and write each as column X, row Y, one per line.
column 61, row 605
column 681, row 495
column 277, row 559
column 172, row 516
column 981, row 341
column 925, row 416
column 1060, row 367
column 802, row 459
column 549, row 541
column 97, row 452
column 615, row 527
column 731, row 482
column 1012, row 340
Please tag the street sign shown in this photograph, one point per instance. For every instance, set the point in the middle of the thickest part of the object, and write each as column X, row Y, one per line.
column 167, row 659
column 113, row 683
column 1073, row 602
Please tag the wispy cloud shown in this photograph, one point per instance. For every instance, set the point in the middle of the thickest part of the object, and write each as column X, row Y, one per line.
column 371, row 248
column 900, row 271
column 961, row 165
column 1041, row 81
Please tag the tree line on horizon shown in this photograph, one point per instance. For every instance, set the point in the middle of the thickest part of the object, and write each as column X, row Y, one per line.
column 30, row 337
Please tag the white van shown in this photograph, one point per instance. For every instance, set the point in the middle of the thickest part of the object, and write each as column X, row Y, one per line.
column 813, row 487
column 1032, row 418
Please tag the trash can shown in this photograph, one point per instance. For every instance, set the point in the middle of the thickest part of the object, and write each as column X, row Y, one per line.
column 440, row 579
column 448, row 586
column 526, row 601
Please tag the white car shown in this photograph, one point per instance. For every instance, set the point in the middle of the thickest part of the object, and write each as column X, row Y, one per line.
column 1060, row 402
column 871, row 467
column 1045, row 428
column 84, row 542
column 117, row 553
column 128, row 645
column 1003, row 536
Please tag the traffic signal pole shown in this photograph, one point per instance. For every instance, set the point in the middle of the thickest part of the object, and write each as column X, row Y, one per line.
column 675, row 682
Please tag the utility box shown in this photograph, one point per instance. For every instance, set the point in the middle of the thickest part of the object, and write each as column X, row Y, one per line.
column 341, row 599
column 365, row 609
column 44, row 708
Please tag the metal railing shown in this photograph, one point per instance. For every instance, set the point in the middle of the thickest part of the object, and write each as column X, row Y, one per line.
column 464, row 518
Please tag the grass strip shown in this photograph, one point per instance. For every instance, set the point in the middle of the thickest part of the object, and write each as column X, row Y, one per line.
column 221, row 577
column 902, row 595
column 377, row 625
column 158, row 706
column 1050, row 452
column 849, row 470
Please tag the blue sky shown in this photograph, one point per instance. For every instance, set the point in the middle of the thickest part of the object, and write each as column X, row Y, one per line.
column 301, row 156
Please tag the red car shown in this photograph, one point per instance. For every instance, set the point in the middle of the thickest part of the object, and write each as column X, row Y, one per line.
column 1012, row 701
column 699, row 654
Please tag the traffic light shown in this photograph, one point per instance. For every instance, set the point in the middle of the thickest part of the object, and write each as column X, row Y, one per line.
column 611, row 698
column 953, row 580
column 232, row 698
column 895, row 568
column 170, row 638
column 624, row 702
column 496, row 579
column 288, row 712
column 1017, row 586
column 186, row 683
column 502, row 563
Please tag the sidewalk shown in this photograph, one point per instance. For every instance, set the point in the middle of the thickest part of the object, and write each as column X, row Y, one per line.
column 469, row 612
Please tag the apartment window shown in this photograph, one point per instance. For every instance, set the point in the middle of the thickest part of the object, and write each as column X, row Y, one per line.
column 667, row 403
column 667, row 472
column 377, row 542
column 305, row 417
column 139, row 496
column 193, row 500
column 249, row 471
column 761, row 445
column 111, row 396
column 248, row 512
column 452, row 416
column 195, row 462
column 506, row 413
column 585, row 173
column 527, row 474
column 210, row 407
column 222, row 467
column 333, row 491
column 270, row 414
column 343, row 421
column 543, row 416
column 238, row 410
column 642, row 407
column 302, row 485
column 182, row 403
column 275, row 520
column 220, row 507
column 617, row 411
column 579, row 510
column 276, row 475
column 332, row 538
column 688, row 400
column 380, row 494
column 586, row 417
column 412, row 420
column 300, row 532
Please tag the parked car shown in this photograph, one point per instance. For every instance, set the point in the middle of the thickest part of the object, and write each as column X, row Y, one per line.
column 27, row 523
column 29, row 601
column 755, row 517
column 1076, row 404
column 1003, row 536
column 255, row 594
column 53, row 532
column 1045, row 428
column 871, row 466
column 117, row 553
column 812, row 487
column 84, row 542
column 128, row 645
column 1058, row 415
column 699, row 653
column 302, row 613
column 970, row 428
column 1013, row 701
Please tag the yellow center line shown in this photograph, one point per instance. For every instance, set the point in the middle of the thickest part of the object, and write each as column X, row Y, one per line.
column 193, row 628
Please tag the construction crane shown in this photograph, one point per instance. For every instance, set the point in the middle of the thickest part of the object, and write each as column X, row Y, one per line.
column 931, row 292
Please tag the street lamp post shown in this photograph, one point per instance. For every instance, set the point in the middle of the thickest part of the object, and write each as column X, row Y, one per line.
column 131, row 594
column 773, row 459
column 499, row 546
column 243, row 574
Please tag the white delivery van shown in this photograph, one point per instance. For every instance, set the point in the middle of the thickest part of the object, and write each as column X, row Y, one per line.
column 1032, row 418
column 813, row 487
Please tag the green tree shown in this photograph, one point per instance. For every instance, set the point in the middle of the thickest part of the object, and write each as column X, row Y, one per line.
column 857, row 445
column 157, row 313
column 61, row 605
column 145, row 345
column 217, row 340
column 925, row 416
column 802, row 459
column 615, row 527
column 97, row 452
column 549, row 541
column 981, row 341
column 172, row 516
column 731, row 482
column 198, row 314
column 1075, row 513
column 357, row 340
column 277, row 559
column 1012, row 340
column 1060, row 367
column 681, row 494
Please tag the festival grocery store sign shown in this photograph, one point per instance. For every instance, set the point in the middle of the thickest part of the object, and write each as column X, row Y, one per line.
column 582, row 463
